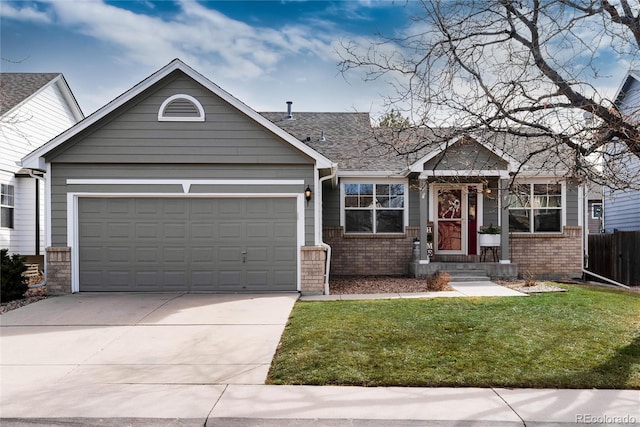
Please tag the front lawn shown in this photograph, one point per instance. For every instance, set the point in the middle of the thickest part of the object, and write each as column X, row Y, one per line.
column 585, row 338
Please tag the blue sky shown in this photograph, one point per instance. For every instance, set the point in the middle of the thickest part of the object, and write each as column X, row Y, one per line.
column 262, row 52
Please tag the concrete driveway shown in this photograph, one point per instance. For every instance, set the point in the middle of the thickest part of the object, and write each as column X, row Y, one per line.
column 143, row 338
column 142, row 356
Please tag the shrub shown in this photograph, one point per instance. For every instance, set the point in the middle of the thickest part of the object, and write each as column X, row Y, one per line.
column 529, row 279
column 439, row 282
column 13, row 284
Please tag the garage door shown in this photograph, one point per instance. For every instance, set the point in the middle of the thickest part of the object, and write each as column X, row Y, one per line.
column 178, row 244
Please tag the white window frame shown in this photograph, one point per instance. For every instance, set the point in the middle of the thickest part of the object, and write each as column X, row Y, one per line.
column 562, row 209
column 374, row 182
column 191, row 99
column 7, row 205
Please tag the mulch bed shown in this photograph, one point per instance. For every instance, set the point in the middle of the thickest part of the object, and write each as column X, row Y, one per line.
column 347, row 285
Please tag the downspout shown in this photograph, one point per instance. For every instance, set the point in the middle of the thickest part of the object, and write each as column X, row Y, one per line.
column 606, row 279
column 38, row 178
column 327, row 266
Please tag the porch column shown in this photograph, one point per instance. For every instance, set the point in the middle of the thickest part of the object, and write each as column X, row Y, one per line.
column 504, row 220
column 424, row 218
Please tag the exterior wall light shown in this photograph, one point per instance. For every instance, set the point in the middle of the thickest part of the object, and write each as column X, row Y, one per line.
column 307, row 194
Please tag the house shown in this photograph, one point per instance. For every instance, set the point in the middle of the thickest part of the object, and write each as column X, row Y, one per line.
column 178, row 186
column 34, row 107
column 383, row 202
column 621, row 206
column 594, row 209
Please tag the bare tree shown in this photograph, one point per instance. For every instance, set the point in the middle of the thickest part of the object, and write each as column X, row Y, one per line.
column 521, row 68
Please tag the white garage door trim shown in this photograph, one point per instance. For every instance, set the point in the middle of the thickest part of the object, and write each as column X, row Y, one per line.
column 73, row 220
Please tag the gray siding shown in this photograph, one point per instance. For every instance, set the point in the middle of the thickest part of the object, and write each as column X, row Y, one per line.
column 468, row 156
column 414, row 203
column 621, row 210
column 490, row 205
column 63, row 171
column 572, row 205
column 330, row 206
column 135, row 135
column 630, row 102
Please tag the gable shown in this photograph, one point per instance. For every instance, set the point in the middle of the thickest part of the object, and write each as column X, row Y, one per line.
column 465, row 154
column 36, row 118
column 628, row 99
column 134, row 134
column 123, row 104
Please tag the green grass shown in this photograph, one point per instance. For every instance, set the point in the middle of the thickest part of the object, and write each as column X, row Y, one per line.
column 585, row 338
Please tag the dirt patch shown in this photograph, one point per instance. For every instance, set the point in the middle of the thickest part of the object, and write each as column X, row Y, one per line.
column 349, row 285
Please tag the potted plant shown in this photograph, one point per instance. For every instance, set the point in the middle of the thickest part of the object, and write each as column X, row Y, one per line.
column 489, row 236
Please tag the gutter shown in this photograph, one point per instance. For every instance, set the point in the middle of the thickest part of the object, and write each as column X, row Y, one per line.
column 38, row 178
column 606, row 279
column 332, row 176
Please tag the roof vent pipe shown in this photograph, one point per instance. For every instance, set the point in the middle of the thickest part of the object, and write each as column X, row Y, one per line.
column 289, row 116
column 322, row 138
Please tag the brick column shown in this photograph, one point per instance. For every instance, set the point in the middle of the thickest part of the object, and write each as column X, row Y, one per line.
column 313, row 260
column 58, row 270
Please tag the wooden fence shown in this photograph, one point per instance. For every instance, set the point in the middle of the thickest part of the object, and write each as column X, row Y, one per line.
column 616, row 256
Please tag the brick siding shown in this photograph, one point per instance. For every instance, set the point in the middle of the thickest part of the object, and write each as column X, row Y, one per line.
column 551, row 256
column 359, row 255
column 312, row 267
column 58, row 270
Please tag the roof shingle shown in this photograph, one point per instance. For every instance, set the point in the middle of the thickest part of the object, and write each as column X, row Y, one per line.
column 16, row 87
column 355, row 145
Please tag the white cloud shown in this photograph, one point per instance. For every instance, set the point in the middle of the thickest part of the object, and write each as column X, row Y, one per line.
column 26, row 13
column 200, row 36
column 261, row 65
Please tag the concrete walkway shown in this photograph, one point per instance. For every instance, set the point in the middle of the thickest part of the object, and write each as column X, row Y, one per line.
column 264, row 405
column 176, row 360
column 484, row 288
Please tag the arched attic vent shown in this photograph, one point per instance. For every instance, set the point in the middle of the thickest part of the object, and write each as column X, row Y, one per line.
column 181, row 108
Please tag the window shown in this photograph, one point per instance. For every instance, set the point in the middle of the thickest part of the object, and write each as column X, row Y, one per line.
column 7, row 203
column 536, row 208
column 374, row 208
column 596, row 211
column 181, row 108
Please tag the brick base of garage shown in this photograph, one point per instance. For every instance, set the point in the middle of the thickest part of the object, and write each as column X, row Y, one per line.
column 312, row 270
column 58, row 270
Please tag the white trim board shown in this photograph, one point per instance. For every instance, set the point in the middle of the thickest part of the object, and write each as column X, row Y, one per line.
column 72, row 221
column 186, row 183
column 504, row 174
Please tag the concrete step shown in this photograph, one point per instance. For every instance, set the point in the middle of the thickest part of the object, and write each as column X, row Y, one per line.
column 467, row 275
column 470, row 278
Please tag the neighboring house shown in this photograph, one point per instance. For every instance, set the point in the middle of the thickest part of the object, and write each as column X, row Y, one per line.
column 178, row 186
column 621, row 207
column 34, row 107
column 594, row 209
